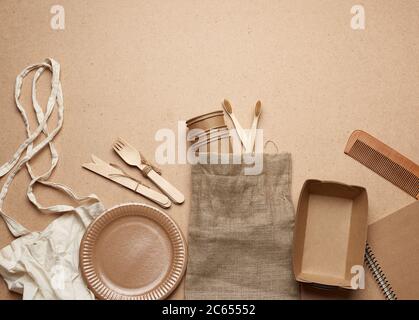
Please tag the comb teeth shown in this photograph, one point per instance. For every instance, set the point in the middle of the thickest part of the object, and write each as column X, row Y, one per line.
column 385, row 167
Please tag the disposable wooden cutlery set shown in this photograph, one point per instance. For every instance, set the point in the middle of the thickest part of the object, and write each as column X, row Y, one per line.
column 248, row 141
column 207, row 131
column 133, row 157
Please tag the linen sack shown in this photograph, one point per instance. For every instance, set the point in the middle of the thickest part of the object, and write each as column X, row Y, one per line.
column 240, row 232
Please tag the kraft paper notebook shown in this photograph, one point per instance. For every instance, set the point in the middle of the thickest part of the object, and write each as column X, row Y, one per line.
column 394, row 256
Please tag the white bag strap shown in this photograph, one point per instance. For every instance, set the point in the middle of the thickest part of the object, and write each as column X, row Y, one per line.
column 13, row 166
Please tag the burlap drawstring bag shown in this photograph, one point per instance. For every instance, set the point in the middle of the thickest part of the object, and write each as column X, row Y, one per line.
column 240, row 232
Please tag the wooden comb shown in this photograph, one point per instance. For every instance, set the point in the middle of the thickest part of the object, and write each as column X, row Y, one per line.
column 384, row 161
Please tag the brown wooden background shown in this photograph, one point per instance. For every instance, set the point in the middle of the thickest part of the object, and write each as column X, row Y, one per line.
column 132, row 67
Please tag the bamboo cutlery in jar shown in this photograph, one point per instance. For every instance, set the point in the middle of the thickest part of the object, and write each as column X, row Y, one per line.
column 133, row 157
column 211, row 128
column 248, row 141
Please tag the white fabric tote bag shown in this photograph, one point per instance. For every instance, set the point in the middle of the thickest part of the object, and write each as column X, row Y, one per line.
column 45, row 265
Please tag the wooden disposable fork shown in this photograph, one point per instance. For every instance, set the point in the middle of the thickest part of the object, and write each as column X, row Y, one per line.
column 132, row 157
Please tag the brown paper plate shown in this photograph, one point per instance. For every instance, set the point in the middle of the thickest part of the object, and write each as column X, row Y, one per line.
column 133, row 252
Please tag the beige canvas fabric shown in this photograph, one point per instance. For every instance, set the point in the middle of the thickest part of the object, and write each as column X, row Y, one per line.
column 240, row 232
column 44, row 265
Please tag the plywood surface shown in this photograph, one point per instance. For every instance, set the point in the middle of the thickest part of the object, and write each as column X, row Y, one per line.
column 130, row 68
